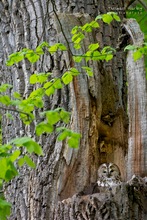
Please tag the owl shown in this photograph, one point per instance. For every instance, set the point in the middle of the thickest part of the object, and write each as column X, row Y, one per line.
column 108, row 175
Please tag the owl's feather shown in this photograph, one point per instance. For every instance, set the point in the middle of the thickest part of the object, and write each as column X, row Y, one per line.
column 108, row 175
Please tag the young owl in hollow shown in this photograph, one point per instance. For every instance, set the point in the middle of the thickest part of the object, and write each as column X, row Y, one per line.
column 108, row 175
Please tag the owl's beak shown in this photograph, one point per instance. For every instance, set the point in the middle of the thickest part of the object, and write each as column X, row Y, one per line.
column 108, row 175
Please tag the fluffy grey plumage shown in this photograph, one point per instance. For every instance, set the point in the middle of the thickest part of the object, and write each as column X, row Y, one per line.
column 108, row 175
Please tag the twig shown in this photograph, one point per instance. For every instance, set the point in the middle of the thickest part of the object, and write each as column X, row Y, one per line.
column 14, row 110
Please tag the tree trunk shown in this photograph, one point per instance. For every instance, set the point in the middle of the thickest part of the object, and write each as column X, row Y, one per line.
column 137, row 102
column 98, row 105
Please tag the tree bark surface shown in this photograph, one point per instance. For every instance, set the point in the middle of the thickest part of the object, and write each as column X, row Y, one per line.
column 126, row 201
column 137, row 104
column 98, row 105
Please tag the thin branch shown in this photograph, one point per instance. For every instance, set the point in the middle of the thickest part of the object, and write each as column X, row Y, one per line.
column 13, row 110
column 54, row 10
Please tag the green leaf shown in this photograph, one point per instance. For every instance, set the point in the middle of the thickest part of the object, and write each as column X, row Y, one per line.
column 107, row 18
column 74, row 72
column 74, row 30
column 96, row 55
column 108, row 57
column 74, row 141
column 62, row 47
column 16, row 102
column 53, row 117
column 5, row 99
column 116, row 17
column 38, row 102
column 137, row 55
column 44, row 44
column 48, row 84
column 11, row 171
column 88, row 55
column 39, row 78
column 77, row 38
column 14, row 58
column 39, row 51
column 64, row 133
column 62, row 136
column 57, row 83
column 77, row 46
column 53, row 49
column 98, row 17
column 87, row 27
column 20, row 141
column 94, row 24
column 26, row 106
column 77, row 59
column 143, row 50
column 33, row 147
column 44, row 127
column 15, row 155
column 29, row 162
column 33, row 79
column 4, row 148
column 5, row 209
column 130, row 47
column 3, row 167
column 50, row 91
column 38, row 93
column 67, row 77
column 21, row 162
column 73, row 137
column 32, row 56
column 17, row 95
column 29, row 143
column 108, row 50
column 27, row 119
column 65, row 116
column 57, row 46
column 93, row 47
column 88, row 70
column 4, row 87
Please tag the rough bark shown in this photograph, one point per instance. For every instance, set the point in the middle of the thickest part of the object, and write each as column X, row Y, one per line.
column 137, row 103
column 98, row 104
column 126, row 201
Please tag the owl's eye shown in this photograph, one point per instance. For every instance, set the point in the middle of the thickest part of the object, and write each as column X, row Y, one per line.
column 104, row 171
column 111, row 171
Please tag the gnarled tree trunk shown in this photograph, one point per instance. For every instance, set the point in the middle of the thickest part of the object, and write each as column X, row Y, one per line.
column 98, row 105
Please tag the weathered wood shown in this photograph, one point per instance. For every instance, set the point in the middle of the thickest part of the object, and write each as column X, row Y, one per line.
column 137, row 104
column 98, row 104
column 127, row 201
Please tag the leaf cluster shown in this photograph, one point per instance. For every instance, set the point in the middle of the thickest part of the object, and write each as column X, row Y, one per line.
column 138, row 52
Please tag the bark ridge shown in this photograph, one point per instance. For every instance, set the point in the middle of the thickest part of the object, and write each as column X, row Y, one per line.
column 126, row 201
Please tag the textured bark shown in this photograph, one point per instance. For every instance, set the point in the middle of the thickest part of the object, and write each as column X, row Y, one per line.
column 137, row 103
column 98, row 105
column 115, row 203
